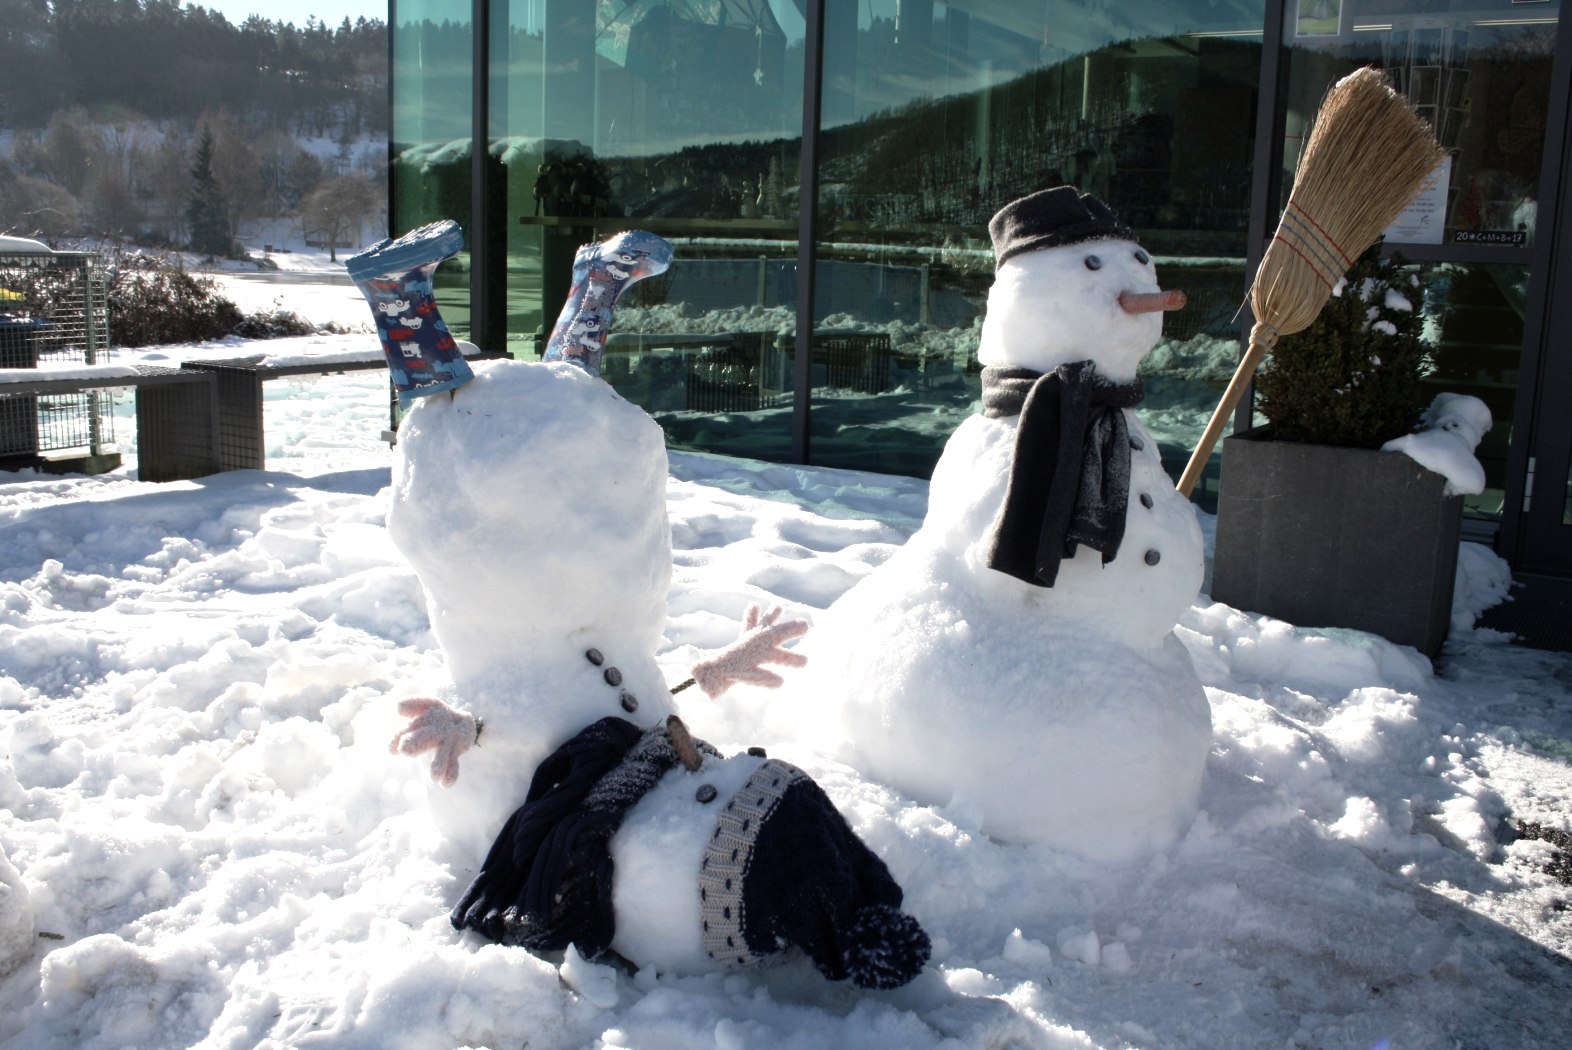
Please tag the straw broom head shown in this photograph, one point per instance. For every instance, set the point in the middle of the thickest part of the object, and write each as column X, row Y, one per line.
column 1368, row 155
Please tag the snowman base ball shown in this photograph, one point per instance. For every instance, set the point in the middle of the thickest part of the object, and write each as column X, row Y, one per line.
column 622, row 847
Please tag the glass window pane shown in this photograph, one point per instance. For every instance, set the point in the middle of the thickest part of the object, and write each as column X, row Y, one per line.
column 1479, row 73
column 684, row 120
column 432, row 59
column 937, row 114
column 1474, row 317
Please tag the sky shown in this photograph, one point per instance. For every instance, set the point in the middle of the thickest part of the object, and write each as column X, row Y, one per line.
column 297, row 11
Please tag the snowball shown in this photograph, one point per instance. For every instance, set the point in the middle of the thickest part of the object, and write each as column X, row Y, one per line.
column 595, row 982
column 1021, row 949
column 1483, row 580
column 1081, row 945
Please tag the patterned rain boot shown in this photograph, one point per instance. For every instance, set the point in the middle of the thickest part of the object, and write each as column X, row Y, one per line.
column 395, row 277
column 601, row 273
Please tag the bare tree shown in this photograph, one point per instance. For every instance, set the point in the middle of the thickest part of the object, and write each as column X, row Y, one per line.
column 336, row 210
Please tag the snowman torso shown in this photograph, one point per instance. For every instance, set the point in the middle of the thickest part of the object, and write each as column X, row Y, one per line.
column 1136, row 598
column 532, row 507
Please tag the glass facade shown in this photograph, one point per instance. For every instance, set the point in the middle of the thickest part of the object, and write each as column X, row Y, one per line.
column 936, row 114
column 686, row 118
column 429, row 163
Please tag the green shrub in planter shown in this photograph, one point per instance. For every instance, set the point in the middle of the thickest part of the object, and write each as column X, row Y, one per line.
column 1313, row 525
column 1354, row 377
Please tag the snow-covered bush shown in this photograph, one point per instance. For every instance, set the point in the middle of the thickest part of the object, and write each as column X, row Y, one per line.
column 1355, row 376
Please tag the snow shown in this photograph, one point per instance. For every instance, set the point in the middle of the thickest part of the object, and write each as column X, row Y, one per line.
column 1445, row 443
column 207, row 844
column 57, row 370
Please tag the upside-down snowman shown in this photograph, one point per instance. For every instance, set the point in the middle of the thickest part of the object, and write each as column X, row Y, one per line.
column 532, row 504
column 1015, row 659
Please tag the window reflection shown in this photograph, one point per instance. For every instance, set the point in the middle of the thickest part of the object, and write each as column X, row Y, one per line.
column 431, row 134
column 1474, row 318
column 685, row 120
column 936, row 114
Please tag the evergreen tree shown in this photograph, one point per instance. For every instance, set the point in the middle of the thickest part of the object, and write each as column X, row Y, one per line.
column 206, row 213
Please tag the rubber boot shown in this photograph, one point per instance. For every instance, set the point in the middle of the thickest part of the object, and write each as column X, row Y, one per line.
column 601, row 273
column 395, row 277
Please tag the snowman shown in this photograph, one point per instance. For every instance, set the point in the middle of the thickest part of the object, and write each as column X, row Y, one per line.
column 1452, row 428
column 532, row 505
column 1015, row 661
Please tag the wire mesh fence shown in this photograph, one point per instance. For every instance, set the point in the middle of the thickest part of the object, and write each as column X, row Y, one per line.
column 53, row 312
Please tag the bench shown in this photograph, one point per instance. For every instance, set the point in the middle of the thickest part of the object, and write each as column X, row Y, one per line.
column 205, row 416
column 176, row 411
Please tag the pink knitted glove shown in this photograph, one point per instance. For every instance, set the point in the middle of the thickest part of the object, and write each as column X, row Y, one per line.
column 743, row 660
column 434, row 726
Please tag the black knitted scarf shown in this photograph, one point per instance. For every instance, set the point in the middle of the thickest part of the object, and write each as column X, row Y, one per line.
column 1070, row 476
column 546, row 883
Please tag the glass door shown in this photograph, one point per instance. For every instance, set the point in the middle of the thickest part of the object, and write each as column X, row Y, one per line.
column 1543, row 543
column 1482, row 75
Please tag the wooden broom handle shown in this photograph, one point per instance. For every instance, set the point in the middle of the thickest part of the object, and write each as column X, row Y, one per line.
column 1262, row 338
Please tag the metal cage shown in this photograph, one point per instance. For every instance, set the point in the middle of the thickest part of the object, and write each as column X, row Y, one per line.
column 53, row 311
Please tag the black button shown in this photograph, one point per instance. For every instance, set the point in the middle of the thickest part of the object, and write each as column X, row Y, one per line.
column 1153, row 557
column 1136, row 443
column 706, row 793
column 612, row 676
column 1146, row 500
column 757, row 752
column 630, row 703
column 594, row 657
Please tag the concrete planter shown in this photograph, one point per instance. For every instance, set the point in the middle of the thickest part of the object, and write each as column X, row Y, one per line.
column 1336, row 537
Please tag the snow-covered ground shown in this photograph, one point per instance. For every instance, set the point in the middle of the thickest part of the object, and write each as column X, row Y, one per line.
column 206, row 841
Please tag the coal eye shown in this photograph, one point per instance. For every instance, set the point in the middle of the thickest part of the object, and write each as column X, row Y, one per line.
column 1093, row 263
column 1141, row 257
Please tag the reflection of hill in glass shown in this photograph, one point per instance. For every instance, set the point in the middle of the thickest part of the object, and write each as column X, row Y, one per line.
column 1157, row 130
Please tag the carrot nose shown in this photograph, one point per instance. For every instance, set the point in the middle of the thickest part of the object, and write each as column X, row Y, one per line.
column 1151, row 302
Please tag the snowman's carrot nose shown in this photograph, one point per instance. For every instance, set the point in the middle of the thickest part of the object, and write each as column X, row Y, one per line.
column 1151, row 302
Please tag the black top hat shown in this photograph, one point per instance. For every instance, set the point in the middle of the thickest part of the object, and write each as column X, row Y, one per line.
column 1051, row 218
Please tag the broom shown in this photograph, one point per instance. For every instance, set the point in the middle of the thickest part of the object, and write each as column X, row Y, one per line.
column 1368, row 154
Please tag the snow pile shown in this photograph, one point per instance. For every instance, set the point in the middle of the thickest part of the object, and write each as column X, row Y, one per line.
column 216, row 848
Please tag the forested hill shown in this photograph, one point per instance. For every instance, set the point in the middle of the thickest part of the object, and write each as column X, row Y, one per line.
column 159, row 60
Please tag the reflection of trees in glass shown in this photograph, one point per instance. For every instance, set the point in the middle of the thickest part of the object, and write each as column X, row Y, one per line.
column 1114, row 122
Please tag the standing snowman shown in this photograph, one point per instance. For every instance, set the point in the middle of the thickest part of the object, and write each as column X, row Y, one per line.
column 1015, row 660
column 531, row 502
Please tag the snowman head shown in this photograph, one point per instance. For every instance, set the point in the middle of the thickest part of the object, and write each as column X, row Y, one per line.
column 1072, row 284
column 1460, row 414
